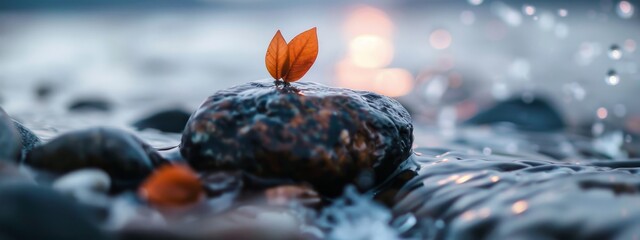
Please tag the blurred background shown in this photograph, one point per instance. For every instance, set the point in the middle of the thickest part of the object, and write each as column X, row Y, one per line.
column 445, row 60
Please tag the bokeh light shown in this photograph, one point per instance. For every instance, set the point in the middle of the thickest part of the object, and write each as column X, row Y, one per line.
column 393, row 82
column 370, row 51
column 625, row 9
column 368, row 20
column 440, row 39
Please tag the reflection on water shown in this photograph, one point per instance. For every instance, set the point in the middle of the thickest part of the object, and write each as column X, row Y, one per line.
column 461, row 192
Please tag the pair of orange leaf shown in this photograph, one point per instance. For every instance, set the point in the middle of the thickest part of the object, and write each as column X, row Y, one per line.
column 290, row 61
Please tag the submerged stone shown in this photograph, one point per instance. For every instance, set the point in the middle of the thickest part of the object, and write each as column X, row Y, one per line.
column 90, row 104
column 123, row 156
column 172, row 120
column 307, row 132
column 34, row 212
column 534, row 115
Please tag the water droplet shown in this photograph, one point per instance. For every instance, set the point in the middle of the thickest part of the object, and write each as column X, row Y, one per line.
column 563, row 12
column 614, row 52
column 612, row 78
column 625, row 9
column 528, row 9
column 475, row 2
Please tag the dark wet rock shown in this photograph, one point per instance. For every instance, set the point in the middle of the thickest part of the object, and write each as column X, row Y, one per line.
column 29, row 139
column 307, row 132
column 34, row 212
column 172, row 121
column 10, row 142
column 90, row 104
column 534, row 115
column 123, row 156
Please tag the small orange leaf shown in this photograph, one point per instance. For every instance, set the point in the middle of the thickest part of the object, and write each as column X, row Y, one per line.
column 172, row 186
column 303, row 50
column 277, row 58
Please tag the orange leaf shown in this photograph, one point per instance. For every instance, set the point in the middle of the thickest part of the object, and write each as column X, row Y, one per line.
column 172, row 186
column 277, row 58
column 303, row 50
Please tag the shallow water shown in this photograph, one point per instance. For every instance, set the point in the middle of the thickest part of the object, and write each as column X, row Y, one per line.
column 468, row 193
column 477, row 183
column 462, row 182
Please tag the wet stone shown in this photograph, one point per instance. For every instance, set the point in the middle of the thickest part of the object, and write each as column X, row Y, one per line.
column 35, row 212
column 123, row 156
column 307, row 132
column 172, row 120
column 90, row 104
column 535, row 114
column 10, row 141
column 29, row 139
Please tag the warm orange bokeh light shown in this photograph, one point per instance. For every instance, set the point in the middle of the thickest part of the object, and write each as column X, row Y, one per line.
column 393, row 82
column 368, row 20
column 370, row 51
column 351, row 76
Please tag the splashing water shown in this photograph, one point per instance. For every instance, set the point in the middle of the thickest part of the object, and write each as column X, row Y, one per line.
column 615, row 52
column 612, row 78
column 356, row 216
